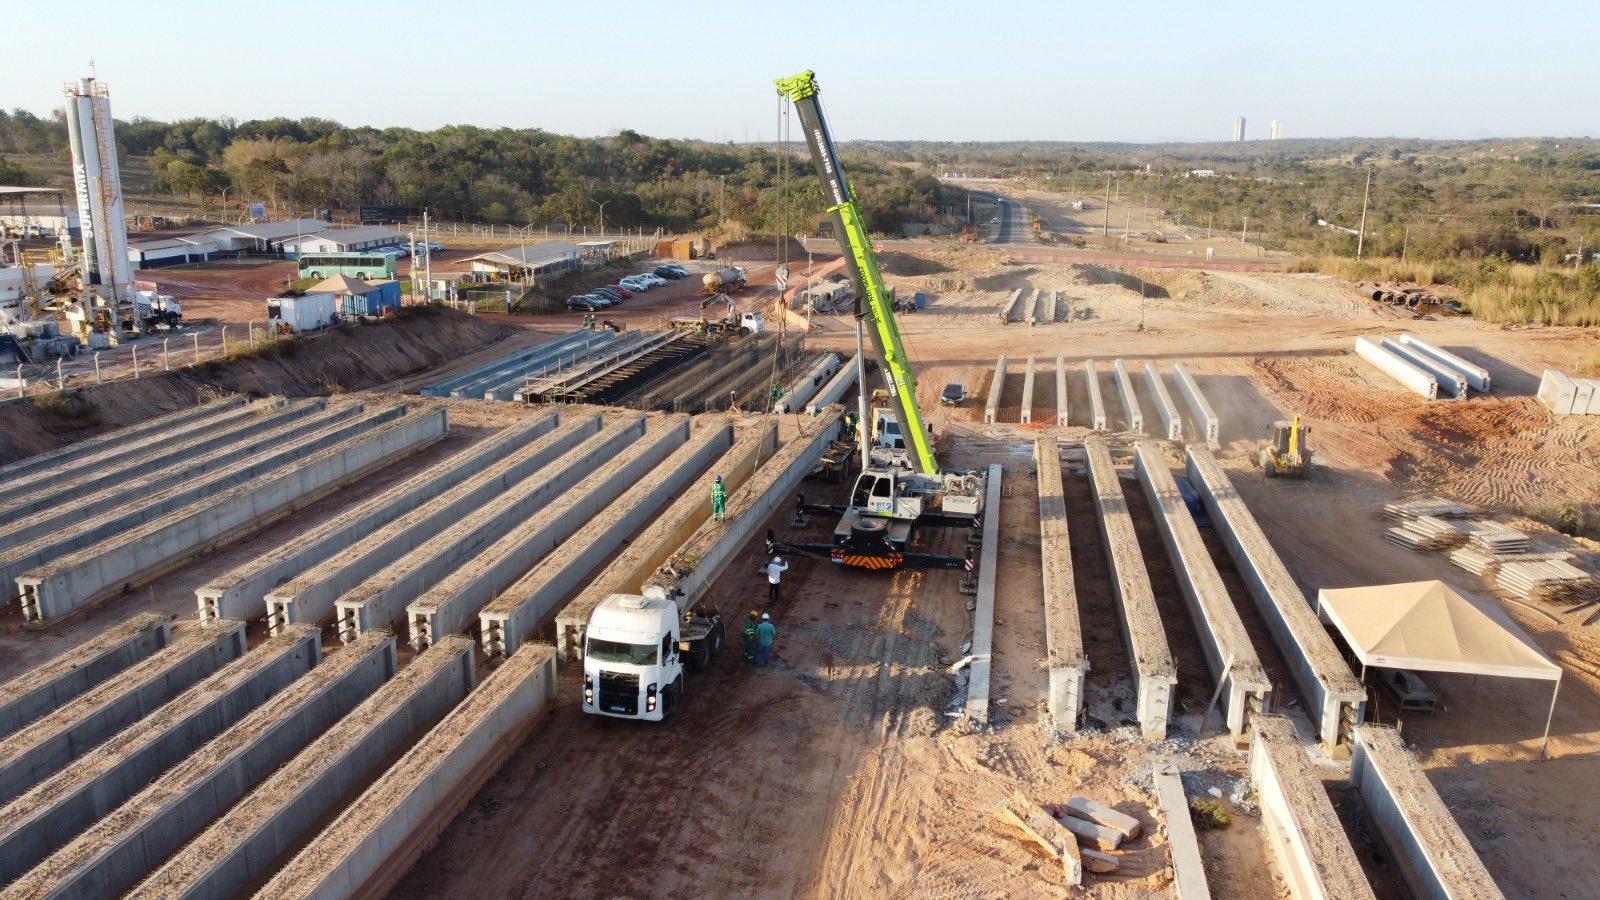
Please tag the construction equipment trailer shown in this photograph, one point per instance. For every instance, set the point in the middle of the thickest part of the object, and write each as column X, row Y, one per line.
column 899, row 490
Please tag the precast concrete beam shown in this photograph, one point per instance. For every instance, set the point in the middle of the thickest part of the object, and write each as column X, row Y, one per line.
column 117, row 852
column 1097, row 406
column 1035, row 306
column 161, row 501
column 650, row 550
column 1010, row 308
column 310, row 596
column 1063, row 629
column 1403, row 807
column 1050, row 306
column 452, row 603
column 1130, row 400
column 43, row 820
column 1155, row 675
column 1451, row 381
column 443, row 386
column 49, row 687
column 1027, row 393
column 1061, row 393
column 1246, row 690
column 1477, row 376
column 836, row 388
column 511, row 617
column 1407, row 373
column 241, row 592
column 1188, row 867
column 801, row 389
column 505, row 385
column 977, row 706
column 376, row 840
column 381, row 599
column 239, row 849
column 1199, row 406
column 1334, row 697
column 535, row 360
column 1166, row 410
column 130, row 558
column 1308, row 842
column 52, row 742
column 79, row 456
column 991, row 410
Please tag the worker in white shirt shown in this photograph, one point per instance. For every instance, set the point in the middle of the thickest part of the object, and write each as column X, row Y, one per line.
column 775, row 570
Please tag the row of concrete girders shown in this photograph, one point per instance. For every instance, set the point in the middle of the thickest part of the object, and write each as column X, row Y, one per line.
column 34, row 694
column 835, row 389
column 1063, row 630
column 1171, row 419
column 161, row 500
column 1040, row 307
column 568, row 353
column 65, row 463
column 977, row 707
column 480, row 376
column 802, row 388
column 93, row 573
column 685, row 391
column 597, row 362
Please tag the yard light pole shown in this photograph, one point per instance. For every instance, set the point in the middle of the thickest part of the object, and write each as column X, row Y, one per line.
column 603, row 218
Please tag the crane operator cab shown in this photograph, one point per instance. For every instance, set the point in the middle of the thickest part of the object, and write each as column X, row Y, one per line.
column 878, row 493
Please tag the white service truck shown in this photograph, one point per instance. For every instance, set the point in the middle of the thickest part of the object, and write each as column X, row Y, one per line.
column 639, row 648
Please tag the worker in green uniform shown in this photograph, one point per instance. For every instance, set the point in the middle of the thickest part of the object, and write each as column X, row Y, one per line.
column 750, row 625
column 719, row 501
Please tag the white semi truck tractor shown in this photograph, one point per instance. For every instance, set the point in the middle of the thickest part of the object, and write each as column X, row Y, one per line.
column 639, row 648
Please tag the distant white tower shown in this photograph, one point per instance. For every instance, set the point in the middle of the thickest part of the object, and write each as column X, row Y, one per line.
column 1238, row 128
column 1275, row 126
column 99, row 186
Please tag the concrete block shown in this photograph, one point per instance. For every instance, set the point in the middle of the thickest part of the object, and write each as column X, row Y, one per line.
column 43, row 820
column 1047, row 834
column 1334, row 697
column 1130, row 401
column 1063, row 630
column 51, row 743
column 1097, row 406
column 1308, row 842
column 310, row 596
column 1155, row 675
column 240, row 848
column 1027, row 393
column 376, row 840
column 1061, row 393
column 1100, row 814
column 452, row 603
column 1166, row 410
column 1477, row 376
column 991, row 410
column 1452, row 382
column 977, row 707
column 802, row 388
column 47, row 688
column 1407, row 373
column 1188, row 868
column 512, row 616
column 115, row 853
column 650, row 550
column 1408, row 815
column 241, row 593
column 835, row 388
column 1199, row 406
column 102, row 570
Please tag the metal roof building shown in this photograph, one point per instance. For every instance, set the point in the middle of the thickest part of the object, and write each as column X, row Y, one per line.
column 342, row 240
column 530, row 262
column 173, row 251
column 261, row 236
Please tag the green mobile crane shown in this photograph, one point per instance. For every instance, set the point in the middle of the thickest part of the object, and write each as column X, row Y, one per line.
column 896, row 493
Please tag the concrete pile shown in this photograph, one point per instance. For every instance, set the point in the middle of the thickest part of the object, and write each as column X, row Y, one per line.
column 1567, row 396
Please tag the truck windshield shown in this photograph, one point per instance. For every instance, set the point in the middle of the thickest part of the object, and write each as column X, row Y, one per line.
column 614, row 651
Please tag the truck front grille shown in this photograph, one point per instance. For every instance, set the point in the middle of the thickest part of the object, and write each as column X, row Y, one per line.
column 619, row 693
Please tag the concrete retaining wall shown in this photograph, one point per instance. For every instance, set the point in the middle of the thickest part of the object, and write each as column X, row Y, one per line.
column 1097, row 405
column 1026, row 415
column 241, row 847
column 511, row 618
column 991, row 410
column 1408, row 814
column 1166, row 410
column 1232, row 658
column 371, row 846
column 43, row 820
column 1299, row 822
column 1199, row 406
column 1333, row 696
column 802, row 389
column 453, row 603
column 107, row 568
column 835, row 388
column 1063, row 630
column 977, row 707
column 651, row 549
column 118, row 851
column 1155, row 675
column 54, row 684
column 51, row 743
column 1130, row 400
column 310, row 596
column 241, row 593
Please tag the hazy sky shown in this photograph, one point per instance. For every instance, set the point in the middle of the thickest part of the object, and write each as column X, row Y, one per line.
column 1133, row 70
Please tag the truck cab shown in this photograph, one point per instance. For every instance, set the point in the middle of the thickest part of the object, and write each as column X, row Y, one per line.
column 637, row 651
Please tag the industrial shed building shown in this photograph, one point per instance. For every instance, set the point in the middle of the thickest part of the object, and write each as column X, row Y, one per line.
column 262, row 237
column 360, row 298
column 530, row 262
column 174, row 251
column 342, row 240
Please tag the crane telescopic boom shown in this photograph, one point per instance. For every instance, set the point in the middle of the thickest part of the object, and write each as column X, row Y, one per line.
column 872, row 297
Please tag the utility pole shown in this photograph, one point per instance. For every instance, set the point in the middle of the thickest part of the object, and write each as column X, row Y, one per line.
column 1210, row 218
column 1105, row 227
column 427, row 259
column 1244, row 233
column 1405, row 243
column 1361, row 238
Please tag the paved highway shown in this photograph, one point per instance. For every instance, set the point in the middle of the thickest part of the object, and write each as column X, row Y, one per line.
column 1015, row 225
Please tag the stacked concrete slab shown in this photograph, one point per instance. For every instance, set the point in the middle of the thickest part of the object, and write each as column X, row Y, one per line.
column 1307, row 840
column 49, row 687
column 1334, row 697
column 241, row 592
column 1246, row 691
column 53, row 741
column 239, row 849
column 375, row 841
column 452, row 603
column 517, row 611
column 977, row 707
column 381, row 599
column 655, row 545
column 1155, row 675
column 68, row 583
column 43, row 820
column 1411, row 818
column 1199, row 407
column 310, row 596
column 1063, row 631
column 117, row 852
column 991, row 409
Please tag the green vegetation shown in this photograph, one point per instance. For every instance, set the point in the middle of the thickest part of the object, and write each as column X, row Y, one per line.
column 17, row 175
column 1209, row 815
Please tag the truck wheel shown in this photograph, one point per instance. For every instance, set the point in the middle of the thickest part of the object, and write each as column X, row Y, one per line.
column 700, row 657
column 716, row 641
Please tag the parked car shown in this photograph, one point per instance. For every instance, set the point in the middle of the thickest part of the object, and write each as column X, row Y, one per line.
column 953, row 394
column 435, row 246
column 583, row 302
column 635, row 284
column 609, row 294
column 668, row 272
column 619, row 289
column 652, row 280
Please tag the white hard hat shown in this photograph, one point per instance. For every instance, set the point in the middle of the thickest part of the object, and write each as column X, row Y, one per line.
column 765, row 616
column 777, row 559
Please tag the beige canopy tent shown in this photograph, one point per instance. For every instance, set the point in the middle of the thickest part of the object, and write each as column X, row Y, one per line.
column 1426, row 626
